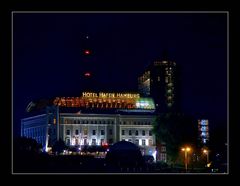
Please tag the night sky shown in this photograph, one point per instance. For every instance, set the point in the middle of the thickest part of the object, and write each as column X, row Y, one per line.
column 47, row 57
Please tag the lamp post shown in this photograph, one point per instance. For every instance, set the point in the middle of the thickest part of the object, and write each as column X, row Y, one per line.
column 205, row 151
column 186, row 150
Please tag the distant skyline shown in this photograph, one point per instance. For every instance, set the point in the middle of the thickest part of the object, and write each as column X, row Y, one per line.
column 47, row 57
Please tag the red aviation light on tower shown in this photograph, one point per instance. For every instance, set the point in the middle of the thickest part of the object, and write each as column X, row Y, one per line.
column 87, row 74
column 87, row 52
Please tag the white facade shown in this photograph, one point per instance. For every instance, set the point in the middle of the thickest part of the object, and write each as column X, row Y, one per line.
column 98, row 129
column 77, row 129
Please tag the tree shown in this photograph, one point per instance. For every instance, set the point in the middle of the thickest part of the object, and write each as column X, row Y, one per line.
column 23, row 144
column 176, row 130
column 59, row 146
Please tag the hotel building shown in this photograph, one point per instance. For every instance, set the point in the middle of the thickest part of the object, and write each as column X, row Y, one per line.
column 95, row 119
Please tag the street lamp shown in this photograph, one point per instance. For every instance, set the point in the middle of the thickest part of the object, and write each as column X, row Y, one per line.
column 205, row 151
column 186, row 150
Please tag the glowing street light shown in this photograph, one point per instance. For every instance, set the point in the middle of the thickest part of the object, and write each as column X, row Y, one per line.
column 87, row 52
column 186, row 150
column 205, row 151
column 87, row 74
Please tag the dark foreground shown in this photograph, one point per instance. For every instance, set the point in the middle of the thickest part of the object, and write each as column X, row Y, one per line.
column 44, row 163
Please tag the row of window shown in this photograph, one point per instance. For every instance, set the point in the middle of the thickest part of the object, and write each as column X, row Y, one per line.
column 137, row 142
column 136, row 132
column 163, row 157
column 77, row 141
column 74, row 121
column 102, row 132
column 135, row 123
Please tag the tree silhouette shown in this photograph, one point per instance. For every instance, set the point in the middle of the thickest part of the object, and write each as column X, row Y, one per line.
column 59, row 146
column 23, row 144
column 176, row 130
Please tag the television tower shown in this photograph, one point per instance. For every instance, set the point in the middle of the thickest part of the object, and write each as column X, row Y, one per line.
column 87, row 73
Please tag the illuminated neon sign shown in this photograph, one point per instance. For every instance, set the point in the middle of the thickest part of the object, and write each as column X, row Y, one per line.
column 109, row 95
column 106, row 100
column 203, row 130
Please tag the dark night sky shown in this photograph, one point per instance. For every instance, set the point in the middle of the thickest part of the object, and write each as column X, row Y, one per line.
column 47, row 56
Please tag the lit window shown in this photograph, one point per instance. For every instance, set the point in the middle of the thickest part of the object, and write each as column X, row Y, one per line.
column 76, row 141
column 93, row 141
column 158, row 78
column 204, row 134
column 170, row 84
column 166, row 79
column 67, row 141
column 85, row 141
column 102, row 141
